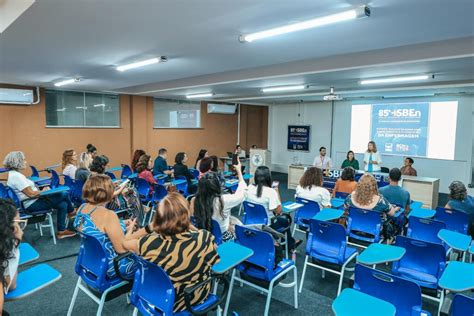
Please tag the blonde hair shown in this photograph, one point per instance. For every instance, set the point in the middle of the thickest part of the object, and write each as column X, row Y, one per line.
column 84, row 160
column 365, row 190
column 67, row 157
column 15, row 160
column 98, row 189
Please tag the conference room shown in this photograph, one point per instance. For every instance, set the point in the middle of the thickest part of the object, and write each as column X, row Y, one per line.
column 237, row 157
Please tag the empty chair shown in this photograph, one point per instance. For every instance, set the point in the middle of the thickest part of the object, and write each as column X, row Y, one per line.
column 405, row 295
column 454, row 220
column 216, row 232
column 365, row 225
column 304, row 214
column 91, row 267
column 462, row 305
column 254, row 214
column 34, row 172
column 54, row 179
column 261, row 266
column 153, row 293
column 425, row 229
column 126, row 171
column 327, row 243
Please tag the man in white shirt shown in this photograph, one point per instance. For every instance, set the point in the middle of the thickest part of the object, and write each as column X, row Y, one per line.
column 322, row 161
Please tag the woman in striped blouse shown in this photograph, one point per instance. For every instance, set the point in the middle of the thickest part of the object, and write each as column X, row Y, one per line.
column 185, row 253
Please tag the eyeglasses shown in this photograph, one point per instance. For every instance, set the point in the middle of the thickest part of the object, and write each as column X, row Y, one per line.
column 22, row 223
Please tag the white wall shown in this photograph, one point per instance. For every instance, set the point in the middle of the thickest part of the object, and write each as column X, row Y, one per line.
column 318, row 115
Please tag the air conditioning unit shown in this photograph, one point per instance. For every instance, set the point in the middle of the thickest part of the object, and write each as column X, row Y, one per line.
column 19, row 96
column 221, row 108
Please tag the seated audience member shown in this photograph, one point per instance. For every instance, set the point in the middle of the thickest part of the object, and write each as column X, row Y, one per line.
column 91, row 151
column 346, row 183
column 185, row 254
column 202, row 154
column 459, row 200
column 264, row 194
column 11, row 234
column 29, row 195
column 161, row 166
column 69, row 163
column 94, row 219
column 143, row 167
column 407, row 169
column 99, row 164
column 205, row 166
column 311, row 188
column 83, row 172
column 215, row 168
column 181, row 170
column 136, row 156
column 394, row 193
column 366, row 196
column 210, row 203
column 240, row 152
column 350, row 161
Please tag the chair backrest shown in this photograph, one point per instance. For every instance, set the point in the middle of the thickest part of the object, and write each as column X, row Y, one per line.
column 34, row 171
column 68, row 181
column 421, row 256
column 327, row 239
column 194, row 172
column 405, row 295
column 384, row 170
column 12, row 195
column 366, row 221
column 307, row 211
column 3, row 191
column 76, row 192
column 462, row 305
column 455, row 220
column 111, row 175
column 254, row 213
column 159, row 193
column 152, row 292
column 425, row 229
column 341, row 195
column 261, row 243
column 54, row 179
column 143, row 187
column 216, row 232
column 126, row 171
column 92, row 263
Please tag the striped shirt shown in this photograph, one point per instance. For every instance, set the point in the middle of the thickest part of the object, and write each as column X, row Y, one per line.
column 187, row 258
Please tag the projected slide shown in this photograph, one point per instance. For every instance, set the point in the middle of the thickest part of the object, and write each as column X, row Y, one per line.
column 419, row 129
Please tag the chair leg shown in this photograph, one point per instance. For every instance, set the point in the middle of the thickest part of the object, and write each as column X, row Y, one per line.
column 304, row 272
column 74, row 296
column 227, row 301
column 269, row 299
column 40, row 225
column 51, row 227
column 293, row 231
column 135, row 311
column 102, row 303
column 295, row 287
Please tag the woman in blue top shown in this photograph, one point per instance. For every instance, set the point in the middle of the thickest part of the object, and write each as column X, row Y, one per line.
column 95, row 220
column 459, row 200
column 372, row 158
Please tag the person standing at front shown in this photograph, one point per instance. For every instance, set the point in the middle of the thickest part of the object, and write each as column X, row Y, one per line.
column 372, row 158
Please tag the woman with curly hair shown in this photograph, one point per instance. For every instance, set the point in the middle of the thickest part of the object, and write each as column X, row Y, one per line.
column 366, row 196
column 136, row 157
column 459, row 200
column 11, row 233
column 143, row 168
column 311, row 188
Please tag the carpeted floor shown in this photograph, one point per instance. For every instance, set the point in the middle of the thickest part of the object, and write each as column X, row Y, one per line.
column 315, row 299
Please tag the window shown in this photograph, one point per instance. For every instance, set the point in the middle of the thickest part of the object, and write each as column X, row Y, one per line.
column 82, row 109
column 176, row 114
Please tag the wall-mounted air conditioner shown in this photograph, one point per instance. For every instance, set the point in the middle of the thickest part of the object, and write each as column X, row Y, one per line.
column 19, row 96
column 221, row 108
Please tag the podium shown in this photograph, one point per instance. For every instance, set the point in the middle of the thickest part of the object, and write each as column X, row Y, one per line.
column 259, row 157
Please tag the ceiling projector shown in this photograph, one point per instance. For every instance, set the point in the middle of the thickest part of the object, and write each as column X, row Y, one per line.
column 332, row 96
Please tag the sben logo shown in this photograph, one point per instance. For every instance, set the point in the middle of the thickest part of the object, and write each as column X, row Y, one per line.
column 334, row 173
column 400, row 113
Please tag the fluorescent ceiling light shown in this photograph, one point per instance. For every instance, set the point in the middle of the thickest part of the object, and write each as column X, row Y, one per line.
column 142, row 63
column 395, row 79
column 65, row 82
column 300, row 26
column 284, row 88
column 200, row 95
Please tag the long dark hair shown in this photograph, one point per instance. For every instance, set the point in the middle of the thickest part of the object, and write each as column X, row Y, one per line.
column 201, row 155
column 353, row 155
column 142, row 163
column 209, row 189
column 91, row 148
column 8, row 212
column 136, row 157
column 179, row 157
column 99, row 163
column 263, row 178
column 348, row 174
column 215, row 163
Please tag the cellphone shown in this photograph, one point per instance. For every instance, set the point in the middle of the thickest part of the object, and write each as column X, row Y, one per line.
column 235, row 161
column 275, row 184
column 125, row 182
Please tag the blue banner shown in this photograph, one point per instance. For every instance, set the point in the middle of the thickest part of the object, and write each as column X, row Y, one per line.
column 401, row 129
column 298, row 137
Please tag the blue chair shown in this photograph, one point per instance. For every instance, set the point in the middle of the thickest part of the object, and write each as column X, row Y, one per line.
column 304, row 214
column 182, row 187
column 38, row 217
column 54, row 179
column 33, row 279
column 126, row 171
column 462, row 305
column 341, row 195
column 423, row 263
column 111, row 175
column 455, row 220
column 364, row 225
column 143, row 189
column 27, row 253
column 194, row 172
column 75, row 193
column 216, row 232
column 254, row 214
column 405, row 295
column 3, row 191
column 68, row 181
column 91, row 267
column 261, row 266
column 153, row 293
column 327, row 243
column 425, row 229
column 34, row 172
